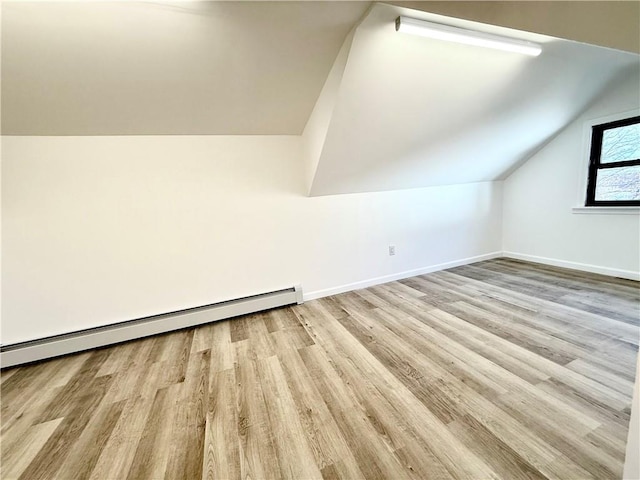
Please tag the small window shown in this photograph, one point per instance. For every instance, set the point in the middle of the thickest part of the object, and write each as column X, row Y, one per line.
column 614, row 167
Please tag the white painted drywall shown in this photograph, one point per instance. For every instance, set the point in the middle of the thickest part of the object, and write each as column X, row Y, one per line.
column 103, row 229
column 416, row 112
column 538, row 221
column 165, row 67
column 315, row 131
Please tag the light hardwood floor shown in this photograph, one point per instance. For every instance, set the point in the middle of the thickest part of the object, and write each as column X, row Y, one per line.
column 501, row 369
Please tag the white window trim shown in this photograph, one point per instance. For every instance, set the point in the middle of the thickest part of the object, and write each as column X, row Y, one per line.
column 608, row 210
column 584, row 167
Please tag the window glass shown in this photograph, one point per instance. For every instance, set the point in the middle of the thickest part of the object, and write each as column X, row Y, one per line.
column 614, row 167
column 622, row 143
column 618, row 183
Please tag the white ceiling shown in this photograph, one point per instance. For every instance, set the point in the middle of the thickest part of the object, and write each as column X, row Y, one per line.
column 396, row 112
column 167, row 67
column 414, row 112
column 87, row 67
column 613, row 24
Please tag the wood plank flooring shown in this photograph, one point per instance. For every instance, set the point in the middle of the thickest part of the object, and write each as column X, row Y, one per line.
column 500, row 369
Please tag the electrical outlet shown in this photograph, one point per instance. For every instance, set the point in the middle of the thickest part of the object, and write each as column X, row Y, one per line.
column 392, row 250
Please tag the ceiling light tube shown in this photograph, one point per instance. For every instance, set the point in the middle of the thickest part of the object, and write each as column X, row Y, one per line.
column 468, row 37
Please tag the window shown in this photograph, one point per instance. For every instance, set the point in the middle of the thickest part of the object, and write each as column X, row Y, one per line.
column 614, row 167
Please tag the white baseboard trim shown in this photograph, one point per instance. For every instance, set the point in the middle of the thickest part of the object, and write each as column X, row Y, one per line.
column 398, row 276
column 585, row 267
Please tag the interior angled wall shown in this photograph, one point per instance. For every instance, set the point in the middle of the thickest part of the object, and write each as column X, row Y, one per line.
column 104, row 229
column 539, row 223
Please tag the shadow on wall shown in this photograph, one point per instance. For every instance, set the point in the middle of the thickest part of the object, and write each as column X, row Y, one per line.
column 622, row 77
column 413, row 112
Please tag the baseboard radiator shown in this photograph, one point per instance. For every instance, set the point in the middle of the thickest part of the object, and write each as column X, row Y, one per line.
column 34, row 350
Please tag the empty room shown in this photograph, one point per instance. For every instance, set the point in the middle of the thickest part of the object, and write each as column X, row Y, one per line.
column 320, row 240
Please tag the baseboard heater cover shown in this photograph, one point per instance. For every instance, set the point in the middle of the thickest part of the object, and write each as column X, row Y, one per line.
column 34, row 350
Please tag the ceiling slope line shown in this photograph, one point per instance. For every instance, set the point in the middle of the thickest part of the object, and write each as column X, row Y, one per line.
column 315, row 130
column 411, row 112
column 611, row 85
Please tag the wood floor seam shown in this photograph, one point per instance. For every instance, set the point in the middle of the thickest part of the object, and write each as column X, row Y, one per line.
column 502, row 369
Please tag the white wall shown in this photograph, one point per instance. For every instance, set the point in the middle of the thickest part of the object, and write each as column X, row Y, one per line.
column 540, row 225
column 315, row 131
column 406, row 114
column 538, row 221
column 103, row 229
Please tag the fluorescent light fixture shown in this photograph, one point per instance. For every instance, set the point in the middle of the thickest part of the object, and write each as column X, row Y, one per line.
column 468, row 37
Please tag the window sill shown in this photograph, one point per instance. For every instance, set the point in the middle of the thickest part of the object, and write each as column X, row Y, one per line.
column 607, row 210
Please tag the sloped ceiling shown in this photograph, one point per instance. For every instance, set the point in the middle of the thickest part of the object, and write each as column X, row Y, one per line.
column 395, row 111
column 414, row 112
column 104, row 67
column 609, row 23
column 167, row 67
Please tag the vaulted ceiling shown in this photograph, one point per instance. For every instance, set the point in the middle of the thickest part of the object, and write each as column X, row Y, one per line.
column 412, row 112
column 379, row 110
column 89, row 67
column 167, row 67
